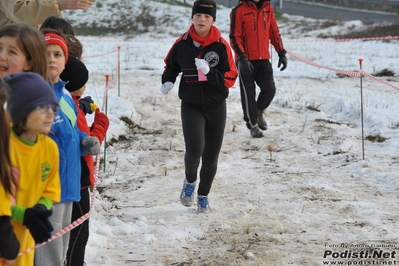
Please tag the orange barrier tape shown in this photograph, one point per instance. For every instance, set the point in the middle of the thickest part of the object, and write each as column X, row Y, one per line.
column 349, row 39
column 344, row 72
column 298, row 40
column 347, row 73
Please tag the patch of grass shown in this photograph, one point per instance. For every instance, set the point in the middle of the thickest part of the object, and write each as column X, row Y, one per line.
column 126, row 22
column 330, row 23
column 372, row 31
column 367, row 5
column 91, row 30
column 376, row 138
column 384, row 73
column 278, row 15
column 328, row 121
column 313, row 108
column 174, row 2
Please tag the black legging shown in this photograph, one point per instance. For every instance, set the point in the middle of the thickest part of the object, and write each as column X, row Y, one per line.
column 263, row 77
column 79, row 235
column 203, row 130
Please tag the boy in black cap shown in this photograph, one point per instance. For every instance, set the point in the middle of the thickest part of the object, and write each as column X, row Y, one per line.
column 76, row 74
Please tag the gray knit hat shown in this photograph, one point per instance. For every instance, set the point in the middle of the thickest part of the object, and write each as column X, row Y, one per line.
column 27, row 91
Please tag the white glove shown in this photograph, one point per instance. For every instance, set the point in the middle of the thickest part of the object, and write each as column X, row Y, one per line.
column 91, row 145
column 166, row 87
column 202, row 65
column 74, row 4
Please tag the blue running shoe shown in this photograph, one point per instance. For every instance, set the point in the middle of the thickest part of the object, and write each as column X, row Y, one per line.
column 187, row 193
column 203, row 204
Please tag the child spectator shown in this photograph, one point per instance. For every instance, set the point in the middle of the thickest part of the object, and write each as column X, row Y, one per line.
column 22, row 48
column 75, row 49
column 70, row 142
column 77, row 76
column 35, row 159
column 9, row 244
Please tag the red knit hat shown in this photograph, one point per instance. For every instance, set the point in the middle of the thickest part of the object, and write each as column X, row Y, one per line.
column 54, row 38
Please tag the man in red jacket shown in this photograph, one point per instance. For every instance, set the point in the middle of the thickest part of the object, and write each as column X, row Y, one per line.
column 252, row 27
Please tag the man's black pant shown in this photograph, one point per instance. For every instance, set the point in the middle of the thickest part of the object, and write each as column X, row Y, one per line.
column 80, row 234
column 263, row 77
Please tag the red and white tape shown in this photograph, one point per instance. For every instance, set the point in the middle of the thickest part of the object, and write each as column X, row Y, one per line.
column 344, row 72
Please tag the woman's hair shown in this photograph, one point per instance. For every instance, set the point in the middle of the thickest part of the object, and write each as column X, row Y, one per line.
column 6, row 178
column 75, row 47
column 58, row 23
column 32, row 43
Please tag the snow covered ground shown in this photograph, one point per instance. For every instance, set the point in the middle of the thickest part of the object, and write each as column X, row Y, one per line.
column 301, row 195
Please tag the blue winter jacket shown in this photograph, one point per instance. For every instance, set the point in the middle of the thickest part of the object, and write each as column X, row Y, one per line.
column 68, row 138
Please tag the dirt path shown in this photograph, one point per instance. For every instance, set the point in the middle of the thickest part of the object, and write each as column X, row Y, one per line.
column 278, row 200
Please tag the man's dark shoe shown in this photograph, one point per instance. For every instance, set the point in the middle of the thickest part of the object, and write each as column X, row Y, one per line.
column 261, row 120
column 255, row 132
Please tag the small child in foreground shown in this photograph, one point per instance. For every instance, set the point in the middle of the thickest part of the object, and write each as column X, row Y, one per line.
column 35, row 160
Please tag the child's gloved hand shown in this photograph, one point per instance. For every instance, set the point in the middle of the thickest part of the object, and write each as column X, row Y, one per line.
column 202, row 65
column 36, row 220
column 101, row 119
column 85, row 104
column 91, row 145
column 166, row 87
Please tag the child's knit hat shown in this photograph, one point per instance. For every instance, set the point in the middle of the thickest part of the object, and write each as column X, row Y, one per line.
column 28, row 90
column 75, row 74
column 209, row 10
column 54, row 38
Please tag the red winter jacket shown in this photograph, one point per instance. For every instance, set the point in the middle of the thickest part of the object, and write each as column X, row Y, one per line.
column 251, row 30
column 98, row 129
